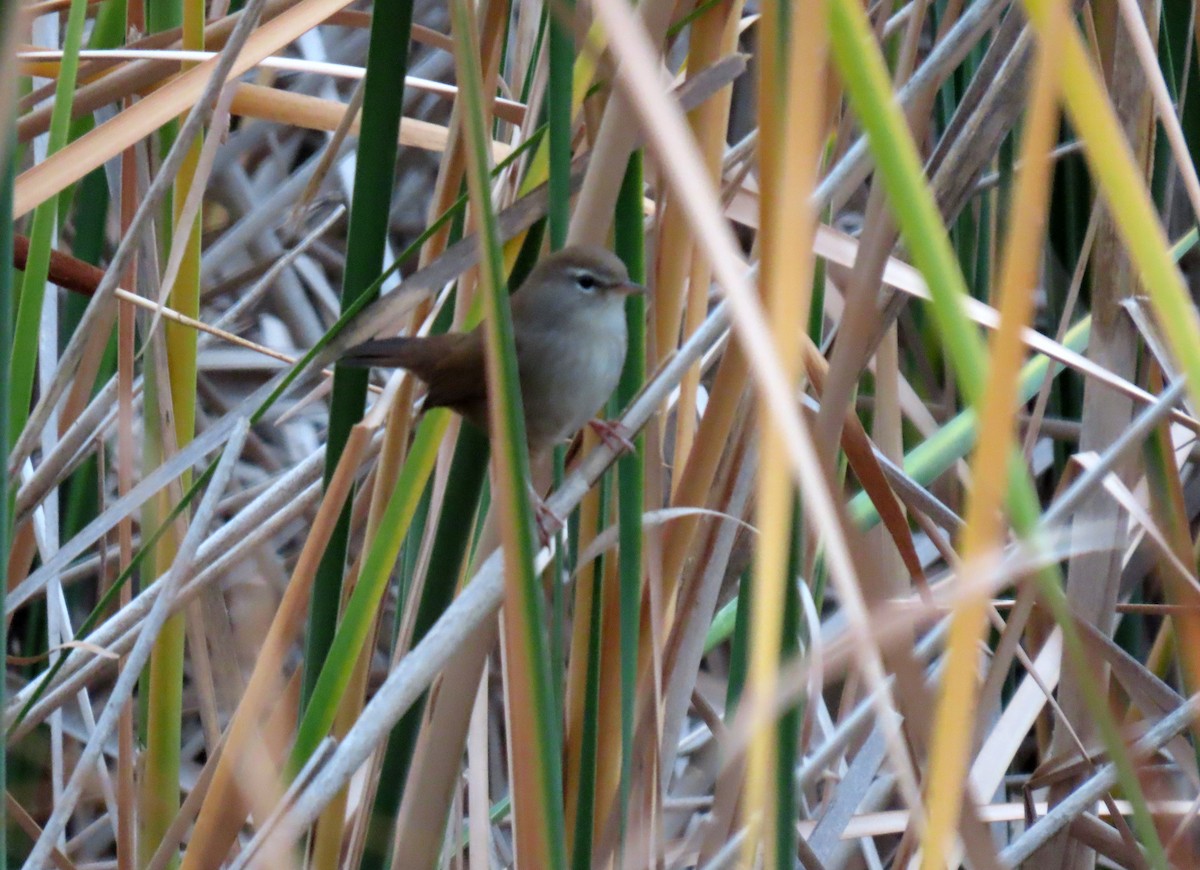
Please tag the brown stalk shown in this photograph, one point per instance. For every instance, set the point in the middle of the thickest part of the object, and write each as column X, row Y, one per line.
column 713, row 36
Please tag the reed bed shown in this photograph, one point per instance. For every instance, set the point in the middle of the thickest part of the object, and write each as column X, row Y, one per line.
column 901, row 568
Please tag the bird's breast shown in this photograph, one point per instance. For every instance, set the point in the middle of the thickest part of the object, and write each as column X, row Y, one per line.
column 567, row 374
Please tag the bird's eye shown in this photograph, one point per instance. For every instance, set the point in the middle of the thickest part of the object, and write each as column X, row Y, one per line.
column 586, row 282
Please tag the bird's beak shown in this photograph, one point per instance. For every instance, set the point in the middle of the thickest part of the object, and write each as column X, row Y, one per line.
column 630, row 289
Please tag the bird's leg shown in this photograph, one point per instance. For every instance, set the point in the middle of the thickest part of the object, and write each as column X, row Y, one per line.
column 615, row 434
column 549, row 524
column 547, row 521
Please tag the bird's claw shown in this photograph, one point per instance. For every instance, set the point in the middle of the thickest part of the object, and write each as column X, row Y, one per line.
column 615, row 434
column 548, row 522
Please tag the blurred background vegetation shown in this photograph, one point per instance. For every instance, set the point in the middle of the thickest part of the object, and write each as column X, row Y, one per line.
column 901, row 572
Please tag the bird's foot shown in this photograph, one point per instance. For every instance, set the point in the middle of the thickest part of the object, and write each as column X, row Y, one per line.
column 615, row 434
column 548, row 522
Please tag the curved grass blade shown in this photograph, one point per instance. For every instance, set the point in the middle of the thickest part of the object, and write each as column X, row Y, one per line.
column 536, row 737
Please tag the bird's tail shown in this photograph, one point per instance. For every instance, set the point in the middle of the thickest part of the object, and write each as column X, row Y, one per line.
column 402, row 352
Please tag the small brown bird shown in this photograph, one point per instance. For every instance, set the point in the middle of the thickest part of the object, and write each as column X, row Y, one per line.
column 569, row 324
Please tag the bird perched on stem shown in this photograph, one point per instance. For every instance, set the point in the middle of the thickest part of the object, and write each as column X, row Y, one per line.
column 569, row 325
